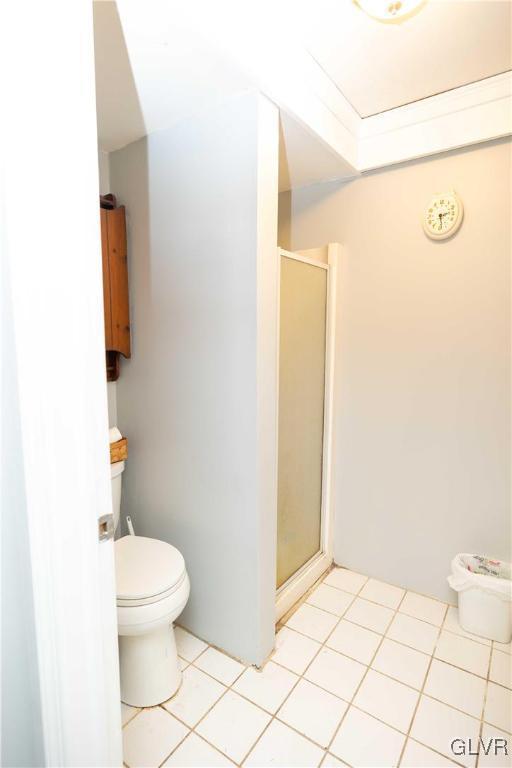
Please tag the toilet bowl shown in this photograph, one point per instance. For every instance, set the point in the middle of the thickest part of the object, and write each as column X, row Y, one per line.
column 152, row 588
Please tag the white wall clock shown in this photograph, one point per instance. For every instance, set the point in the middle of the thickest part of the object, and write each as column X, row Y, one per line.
column 443, row 216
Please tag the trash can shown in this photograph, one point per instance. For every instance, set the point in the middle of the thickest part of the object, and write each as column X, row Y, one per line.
column 484, row 588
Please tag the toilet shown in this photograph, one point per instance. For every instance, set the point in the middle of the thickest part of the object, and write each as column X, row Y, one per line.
column 152, row 588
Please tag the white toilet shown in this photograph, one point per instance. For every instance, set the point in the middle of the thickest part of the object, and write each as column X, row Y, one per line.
column 152, row 590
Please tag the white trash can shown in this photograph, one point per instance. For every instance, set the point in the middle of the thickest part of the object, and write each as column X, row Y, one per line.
column 484, row 588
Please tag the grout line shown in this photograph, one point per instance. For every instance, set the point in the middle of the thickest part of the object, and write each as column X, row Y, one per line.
column 362, row 680
column 302, row 599
column 322, row 645
column 484, row 702
column 433, row 749
column 174, row 748
column 299, row 603
column 137, row 712
column 294, row 608
column 299, row 678
column 362, row 626
column 415, row 711
column 396, row 586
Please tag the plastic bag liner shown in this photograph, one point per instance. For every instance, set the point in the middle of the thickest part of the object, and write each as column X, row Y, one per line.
column 476, row 571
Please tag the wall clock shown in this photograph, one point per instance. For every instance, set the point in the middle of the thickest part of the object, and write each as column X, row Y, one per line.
column 443, row 216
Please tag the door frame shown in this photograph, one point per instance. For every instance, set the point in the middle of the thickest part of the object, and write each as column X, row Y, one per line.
column 298, row 584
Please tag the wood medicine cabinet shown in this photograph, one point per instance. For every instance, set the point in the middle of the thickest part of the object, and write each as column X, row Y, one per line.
column 115, row 283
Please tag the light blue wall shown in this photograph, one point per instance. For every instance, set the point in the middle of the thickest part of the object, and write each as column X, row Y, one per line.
column 201, row 473
column 422, row 428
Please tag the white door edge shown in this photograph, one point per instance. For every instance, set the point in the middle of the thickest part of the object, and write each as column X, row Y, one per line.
column 58, row 328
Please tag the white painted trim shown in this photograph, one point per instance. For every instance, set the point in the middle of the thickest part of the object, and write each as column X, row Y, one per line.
column 305, row 259
column 300, row 581
column 267, row 340
column 333, row 253
column 463, row 116
column 484, row 91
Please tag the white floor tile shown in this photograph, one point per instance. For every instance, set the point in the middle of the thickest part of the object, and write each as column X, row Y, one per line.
column 495, row 743
column 282, row 747
column 194, row 752
column 336, row 673
column 348, row 581
column 365, row 742
column 464, row 653
column 198, row 692
column 413, row 632
column 220, row 666
column 127, row 713
column 424, row 608
column 505, row 647
column 498, row 707
column 183, row 664
column 330, row 599
column 451, row 624
column 312, row 622
column 456, row 687
column 293, row 650
column 268, row 688
column 388, row 700
column 313, row 712
column 369, row 615
column 354, row 641
column 233, row 725
column 385, row 594
column 436, row 725
column 330, row 761
column 501, row 668
column 417, row 756
column 189, row 647
column 349, row 613
column 404, row 664
column 150, row 737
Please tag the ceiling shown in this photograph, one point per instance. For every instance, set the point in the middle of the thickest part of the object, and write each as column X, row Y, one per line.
column 168, row 74
column 304, row 160
column 448, row 43
column 169, row 60
column 172, row 71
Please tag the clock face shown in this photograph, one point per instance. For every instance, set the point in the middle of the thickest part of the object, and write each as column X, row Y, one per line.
column 443, row 216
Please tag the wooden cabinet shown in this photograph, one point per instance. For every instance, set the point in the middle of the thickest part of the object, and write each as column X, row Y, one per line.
column 115, row 284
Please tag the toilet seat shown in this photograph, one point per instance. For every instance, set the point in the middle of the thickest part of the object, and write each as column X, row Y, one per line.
column 147, row 570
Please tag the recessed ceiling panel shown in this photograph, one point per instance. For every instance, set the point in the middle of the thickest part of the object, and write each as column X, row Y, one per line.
column 377, row 66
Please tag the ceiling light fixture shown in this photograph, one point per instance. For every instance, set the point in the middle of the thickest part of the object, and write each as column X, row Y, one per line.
column 390, row 11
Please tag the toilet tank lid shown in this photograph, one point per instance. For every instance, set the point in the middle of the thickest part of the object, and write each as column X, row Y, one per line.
column 146, row 567
column 116, row 468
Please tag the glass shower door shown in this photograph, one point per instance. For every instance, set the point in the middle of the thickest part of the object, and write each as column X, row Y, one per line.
column 302, row 357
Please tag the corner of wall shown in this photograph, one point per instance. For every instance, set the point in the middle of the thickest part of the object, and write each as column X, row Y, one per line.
column 266, row 372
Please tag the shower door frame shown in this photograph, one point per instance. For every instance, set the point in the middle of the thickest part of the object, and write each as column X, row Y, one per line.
column 298, row 584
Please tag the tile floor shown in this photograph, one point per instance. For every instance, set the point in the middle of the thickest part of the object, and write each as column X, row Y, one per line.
column 363, row 674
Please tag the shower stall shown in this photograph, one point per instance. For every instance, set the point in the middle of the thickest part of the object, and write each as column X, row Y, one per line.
column 306, row 371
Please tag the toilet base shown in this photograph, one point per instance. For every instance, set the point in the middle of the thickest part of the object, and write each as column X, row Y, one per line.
column 149, row 667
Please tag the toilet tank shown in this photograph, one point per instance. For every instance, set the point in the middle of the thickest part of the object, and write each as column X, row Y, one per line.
column 116, row 473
